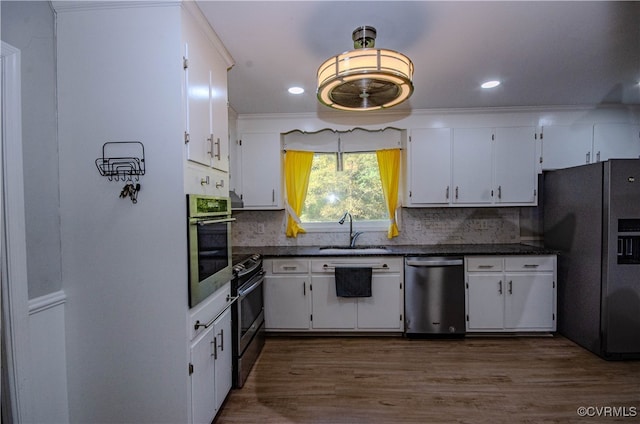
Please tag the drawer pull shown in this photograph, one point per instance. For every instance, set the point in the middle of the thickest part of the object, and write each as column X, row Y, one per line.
column 485, row 266
column 289, row 268
column 531, row 265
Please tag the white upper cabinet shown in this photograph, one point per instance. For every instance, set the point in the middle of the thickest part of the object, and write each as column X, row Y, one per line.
column 206, row 132
column 429, row 156
column 615, row 141
column 515, row 179
column 564, row 146
column 261, row 170
column 472, row 165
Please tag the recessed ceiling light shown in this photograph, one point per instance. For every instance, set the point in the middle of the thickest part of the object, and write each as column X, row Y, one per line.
column 296, row 90
column 490, row 84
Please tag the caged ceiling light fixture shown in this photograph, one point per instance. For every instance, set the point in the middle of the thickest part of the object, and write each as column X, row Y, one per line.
column 365, row 78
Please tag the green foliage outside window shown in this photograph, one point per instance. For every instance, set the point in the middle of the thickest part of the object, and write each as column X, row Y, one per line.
column 357, row 189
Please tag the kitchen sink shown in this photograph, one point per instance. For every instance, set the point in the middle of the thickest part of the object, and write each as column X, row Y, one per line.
column 357, row 250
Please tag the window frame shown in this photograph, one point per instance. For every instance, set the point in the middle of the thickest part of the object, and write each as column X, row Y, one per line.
column 371, row 225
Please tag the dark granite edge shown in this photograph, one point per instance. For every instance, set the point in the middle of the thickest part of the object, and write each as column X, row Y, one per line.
column 403, row 250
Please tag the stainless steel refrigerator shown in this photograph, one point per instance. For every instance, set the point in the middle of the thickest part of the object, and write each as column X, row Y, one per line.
column 591, row 216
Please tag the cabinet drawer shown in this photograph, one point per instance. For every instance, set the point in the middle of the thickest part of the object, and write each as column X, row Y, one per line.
column 379, row 264
column 289, row 266
column 205, row 311
column 530, row 263
column 484, row 263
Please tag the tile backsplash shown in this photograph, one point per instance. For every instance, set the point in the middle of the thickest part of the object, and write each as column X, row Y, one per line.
column 417, row 227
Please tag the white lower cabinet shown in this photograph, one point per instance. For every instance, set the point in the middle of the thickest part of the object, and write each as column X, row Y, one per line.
column 211, row 357
column 510, row 294
column 286, row 302
column 300, row 295
column 287, row 294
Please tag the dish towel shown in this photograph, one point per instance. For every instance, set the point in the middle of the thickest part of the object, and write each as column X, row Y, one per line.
column 353, row 282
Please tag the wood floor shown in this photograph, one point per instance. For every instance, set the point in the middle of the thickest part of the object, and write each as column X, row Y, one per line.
column 396, row 380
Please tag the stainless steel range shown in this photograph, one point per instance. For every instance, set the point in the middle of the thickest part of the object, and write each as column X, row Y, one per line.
column 248, row 315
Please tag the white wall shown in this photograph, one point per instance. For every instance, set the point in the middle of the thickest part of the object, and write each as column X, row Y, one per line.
column 124, row 265
column 29, row 26
column 461, row 118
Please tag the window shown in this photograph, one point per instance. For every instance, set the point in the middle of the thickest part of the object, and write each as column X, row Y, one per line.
column 356, row 188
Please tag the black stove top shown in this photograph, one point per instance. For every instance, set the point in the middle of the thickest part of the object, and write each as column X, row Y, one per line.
column 237, row 258
column 245, row 266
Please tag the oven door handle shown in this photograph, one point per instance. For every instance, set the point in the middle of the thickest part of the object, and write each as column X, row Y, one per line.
column 243, row 293
column 210, row 221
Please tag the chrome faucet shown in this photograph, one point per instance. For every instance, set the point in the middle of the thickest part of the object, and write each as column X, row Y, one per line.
column 352, row 236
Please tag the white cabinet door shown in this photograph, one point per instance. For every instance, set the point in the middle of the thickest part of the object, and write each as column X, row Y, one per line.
column 286, row 302
column 328, row 310
column 260, row 160
column 219, row 114
column 211, row 359
column 223, row 357
column 616, row 141
column 430, row 166
column 206, row 99
column 516, row 180
column 529, row 301
column 383, row 310
column 564, row 146
column 203, row 402
column 198, row 87
column 485, row 302
column 472, row 165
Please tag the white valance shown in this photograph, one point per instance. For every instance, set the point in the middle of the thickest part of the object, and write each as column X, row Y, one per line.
column 354, row 140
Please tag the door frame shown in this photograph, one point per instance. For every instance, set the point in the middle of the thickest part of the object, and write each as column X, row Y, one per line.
column 13, row 256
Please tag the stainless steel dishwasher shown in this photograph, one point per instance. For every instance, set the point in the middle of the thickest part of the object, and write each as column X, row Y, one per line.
column 434, row 296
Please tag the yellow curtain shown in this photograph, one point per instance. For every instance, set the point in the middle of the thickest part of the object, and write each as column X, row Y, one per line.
column 389, row 165
column 297, row 168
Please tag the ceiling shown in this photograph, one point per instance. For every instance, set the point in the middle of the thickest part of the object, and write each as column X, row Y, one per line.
column 545, row 53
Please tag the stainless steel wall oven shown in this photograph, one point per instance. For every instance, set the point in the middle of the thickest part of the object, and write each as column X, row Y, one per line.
column 248, row 332
column 209, row 239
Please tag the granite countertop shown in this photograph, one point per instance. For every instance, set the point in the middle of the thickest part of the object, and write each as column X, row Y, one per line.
column 403, row 250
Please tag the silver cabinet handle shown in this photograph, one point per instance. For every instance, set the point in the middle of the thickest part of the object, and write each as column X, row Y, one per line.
column 289, row 268
column 456, row 192
column 210, row 140
column 499, row 192
column 598, row 157
column 217, row 155
column 273, row 195
column 447, row 193
column 222, row 339
column 485, row 266
column 510, row 287
column 433, row 262
column 588, row 158
column 531, row 265
column 304, row 288
column 500, row 287
column 214, row 345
